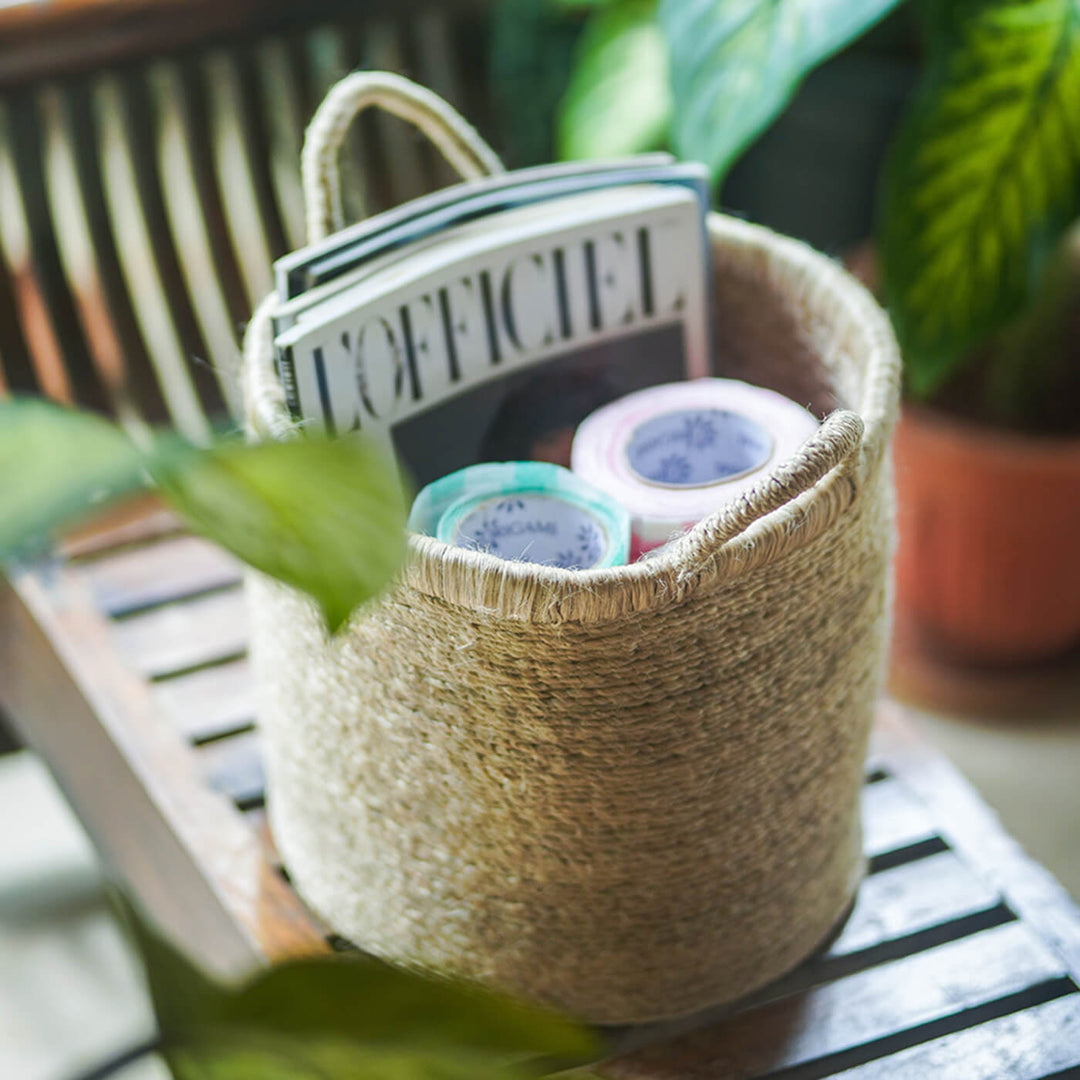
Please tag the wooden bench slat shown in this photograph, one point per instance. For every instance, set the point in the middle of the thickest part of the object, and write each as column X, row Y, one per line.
column 855, row 1010
column 913, row 897
column 1036, row 1044
column 893, row 818
column 25, row 132
column 210, row 702
column 169, row 569
column 188, row 202
column 133, row 203
column 286, row 118
column 186, row 634
column 140, row 385
column 234, row 768
column 249, row 214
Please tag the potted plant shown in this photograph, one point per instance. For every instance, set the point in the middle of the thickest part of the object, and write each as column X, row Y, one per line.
column 979, row 268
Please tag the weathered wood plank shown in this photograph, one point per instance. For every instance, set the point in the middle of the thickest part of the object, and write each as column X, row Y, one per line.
column 186, row 853
column 893, row 818
column 971, row 828
column 169, row 569
column 234, row 768
column 186, row 634
column 1035, row 1044
column 132, row 522
column 853, row 1011
column 910, row 898
column 210, row 702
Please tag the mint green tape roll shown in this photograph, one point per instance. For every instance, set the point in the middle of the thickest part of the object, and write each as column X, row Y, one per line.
column 528, row 511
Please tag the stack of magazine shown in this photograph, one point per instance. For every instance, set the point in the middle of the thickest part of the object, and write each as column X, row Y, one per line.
column 485, row 321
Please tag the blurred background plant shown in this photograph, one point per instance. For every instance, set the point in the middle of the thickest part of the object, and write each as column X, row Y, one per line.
column 936, row 148
column 340, row 1017
column 976, row 195
column 324, row 515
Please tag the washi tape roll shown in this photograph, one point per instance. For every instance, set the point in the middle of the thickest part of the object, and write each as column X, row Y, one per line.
column 674, row 454
column 527, row 511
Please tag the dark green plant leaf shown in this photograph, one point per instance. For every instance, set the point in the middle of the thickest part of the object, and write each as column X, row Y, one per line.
column 619, row 100
column 57, row 465
column 325, row 515
column 530, row 53
column 343, row 1017
column 984, row 177
column 265, row 1055
column 183, row 997
column 380, row 1005
column 736, row 63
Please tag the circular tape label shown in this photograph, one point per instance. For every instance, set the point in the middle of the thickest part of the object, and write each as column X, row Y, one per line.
column 694, row 448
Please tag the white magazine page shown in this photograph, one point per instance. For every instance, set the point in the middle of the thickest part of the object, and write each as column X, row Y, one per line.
column 581, row 287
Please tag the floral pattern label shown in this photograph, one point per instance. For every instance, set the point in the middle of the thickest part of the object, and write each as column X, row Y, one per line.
column 536, row 528
column 697, row 447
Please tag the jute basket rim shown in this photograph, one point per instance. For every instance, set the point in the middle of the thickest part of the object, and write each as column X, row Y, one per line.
column 797, row 501
column 794, row 503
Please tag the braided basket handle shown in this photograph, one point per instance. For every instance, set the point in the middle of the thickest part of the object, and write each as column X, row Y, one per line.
column 836, row 442
column 455, row 137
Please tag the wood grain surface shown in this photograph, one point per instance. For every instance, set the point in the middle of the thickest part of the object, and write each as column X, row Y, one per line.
column 126, row 666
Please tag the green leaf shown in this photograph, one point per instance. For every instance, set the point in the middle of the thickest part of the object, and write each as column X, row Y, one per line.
column 183, row 997
column 984, row 176
column 57, row 465
column 582, row 5
column 266, row 1055
column 343, row 1017
column 736, row 63
column 618, row 101
column 325, row 515
column 381, row 1005
column 530, row 52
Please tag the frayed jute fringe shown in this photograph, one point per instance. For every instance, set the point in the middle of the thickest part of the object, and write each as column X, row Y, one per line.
column 631, row 792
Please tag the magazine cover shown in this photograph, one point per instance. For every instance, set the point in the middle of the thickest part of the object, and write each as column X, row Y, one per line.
column 507, row 333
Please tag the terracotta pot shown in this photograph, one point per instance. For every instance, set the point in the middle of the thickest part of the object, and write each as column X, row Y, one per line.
column 988, row 567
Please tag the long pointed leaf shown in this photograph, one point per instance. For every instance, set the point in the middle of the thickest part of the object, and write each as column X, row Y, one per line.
column 984, row 176
column 736, row 63
column 618, row 101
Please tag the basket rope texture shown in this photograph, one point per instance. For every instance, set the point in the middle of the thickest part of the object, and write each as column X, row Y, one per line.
column 629, row 792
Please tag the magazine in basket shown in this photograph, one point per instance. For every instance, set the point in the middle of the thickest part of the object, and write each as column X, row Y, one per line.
column 492, row 338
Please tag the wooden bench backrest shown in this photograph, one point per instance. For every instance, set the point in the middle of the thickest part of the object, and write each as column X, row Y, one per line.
column 149, row 174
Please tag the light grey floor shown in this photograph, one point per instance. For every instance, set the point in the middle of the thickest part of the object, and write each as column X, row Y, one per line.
column 71, row 995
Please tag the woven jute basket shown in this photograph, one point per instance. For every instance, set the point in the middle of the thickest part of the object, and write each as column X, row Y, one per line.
column 630, row 792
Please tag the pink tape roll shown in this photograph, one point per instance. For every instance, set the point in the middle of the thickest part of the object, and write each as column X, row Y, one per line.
column 674, row 454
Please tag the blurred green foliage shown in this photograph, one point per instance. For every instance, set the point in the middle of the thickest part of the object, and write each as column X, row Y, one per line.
column 347, row 1017
column 736, row 63
column 327, row 516
column 979, row 190
column 983, row 181
column 618, row 101
column 531, row 56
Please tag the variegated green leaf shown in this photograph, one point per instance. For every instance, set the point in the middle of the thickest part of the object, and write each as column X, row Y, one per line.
column 618, row 101
column 983, row 178
column 736, row 63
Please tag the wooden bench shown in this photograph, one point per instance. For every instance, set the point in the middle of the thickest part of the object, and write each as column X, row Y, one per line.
column 148, row 172
column 124, row 663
